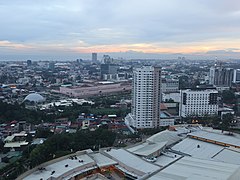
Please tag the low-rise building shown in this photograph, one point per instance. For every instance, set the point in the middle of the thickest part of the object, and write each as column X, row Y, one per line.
column 169, row 85
column 16, row 141
column 95, row 89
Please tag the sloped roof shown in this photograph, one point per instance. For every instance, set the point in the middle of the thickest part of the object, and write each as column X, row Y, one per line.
column 170, row 137
column 192, row 168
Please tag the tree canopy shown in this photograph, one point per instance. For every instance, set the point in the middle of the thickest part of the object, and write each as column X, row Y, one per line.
column 61, row 144
column 228, row 97
column 226, row 122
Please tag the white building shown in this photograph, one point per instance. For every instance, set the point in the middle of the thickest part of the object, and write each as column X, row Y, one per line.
column 146, row 97
column 198, row 102
column 236, row 76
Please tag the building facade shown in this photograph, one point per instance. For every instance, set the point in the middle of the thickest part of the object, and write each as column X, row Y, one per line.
column 94, row 57
column 170, row 85
column 108, row 69
column 198, row 102
column 220, row 76
column 211, row 75
column 236, row 76
column 146, row 97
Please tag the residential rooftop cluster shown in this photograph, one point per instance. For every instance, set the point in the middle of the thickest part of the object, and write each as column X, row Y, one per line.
column 125, row 97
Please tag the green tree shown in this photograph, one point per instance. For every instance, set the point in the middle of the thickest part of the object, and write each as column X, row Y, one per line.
column 226, row 122
column 228, row 97
column 184, row 82
column 43, row 133
column 60, row 144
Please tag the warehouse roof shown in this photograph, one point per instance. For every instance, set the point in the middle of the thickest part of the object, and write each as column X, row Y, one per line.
column 223, row 138
column 102, row 160
column 129, row 160
column 196, row 148
column 59, row 168
column 228, row 155
column 170, row 137
column 189, row 168
column 146, row 149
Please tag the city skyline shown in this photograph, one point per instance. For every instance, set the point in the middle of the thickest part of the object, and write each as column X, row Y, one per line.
column 129, row 29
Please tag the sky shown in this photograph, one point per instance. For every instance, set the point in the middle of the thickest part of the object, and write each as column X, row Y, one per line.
column 68, row 29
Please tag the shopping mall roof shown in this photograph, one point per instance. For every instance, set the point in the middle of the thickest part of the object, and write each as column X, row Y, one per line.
column 146, row 149
column 225, row 139
column 102, row 160
column 167, row 158
column 189, row 168
column 131, row 162
column 197, row 157
column 228, row 155
column 170, row 137
column 62, row 167
column 196, row 148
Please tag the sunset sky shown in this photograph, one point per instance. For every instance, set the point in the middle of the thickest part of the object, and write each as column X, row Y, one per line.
column 55, row 29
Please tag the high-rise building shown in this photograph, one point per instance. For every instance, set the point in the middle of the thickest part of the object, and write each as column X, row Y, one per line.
column 29, row 62
column 198, row 102
column 211, row 75
column 107, row 59
column 220, row 76
column 223, row 76
column 236, row 76
column 146, row 97
column 107, row 69
column 94, row 57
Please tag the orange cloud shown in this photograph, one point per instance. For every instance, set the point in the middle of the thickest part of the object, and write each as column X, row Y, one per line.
column 163, row 47
column 9, row 44
column 171, row 47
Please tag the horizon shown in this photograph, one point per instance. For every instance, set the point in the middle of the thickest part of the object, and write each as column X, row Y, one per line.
column 70, row 29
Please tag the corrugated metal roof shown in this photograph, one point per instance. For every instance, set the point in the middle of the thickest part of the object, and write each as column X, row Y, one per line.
column 189, row 168
column 170, row 137
column 196, row 148
column 227, row 139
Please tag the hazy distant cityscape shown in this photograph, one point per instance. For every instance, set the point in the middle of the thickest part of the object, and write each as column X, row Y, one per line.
column 159, row 113
column 120, row 90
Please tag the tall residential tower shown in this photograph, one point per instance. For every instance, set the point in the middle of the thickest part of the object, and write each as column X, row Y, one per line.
column 146, row 97
column 221, row 76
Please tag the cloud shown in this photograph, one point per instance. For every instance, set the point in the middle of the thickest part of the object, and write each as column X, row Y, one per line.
column 8, row 44
column 150, row 26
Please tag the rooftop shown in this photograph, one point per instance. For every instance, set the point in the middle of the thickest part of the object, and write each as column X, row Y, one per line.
column 170, row 137
column 102, row 160
column 61, row 167
column 146, row 149
column 228, row 155
column 167, row 158
column 130, row 161
column 217, row 137
column 196, row 148
column 192, row 158
column 189, row 168
column 15, row 144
